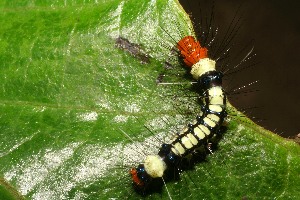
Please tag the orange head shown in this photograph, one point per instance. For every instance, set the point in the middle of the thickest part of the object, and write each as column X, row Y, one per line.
column 140, row 178
column 136, row 180
column 191, row 51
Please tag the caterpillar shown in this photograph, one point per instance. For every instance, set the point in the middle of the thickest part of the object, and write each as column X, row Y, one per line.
column 194, row 54
column 206, row 124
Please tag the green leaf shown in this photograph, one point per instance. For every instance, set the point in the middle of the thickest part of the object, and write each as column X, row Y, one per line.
column 67, row 92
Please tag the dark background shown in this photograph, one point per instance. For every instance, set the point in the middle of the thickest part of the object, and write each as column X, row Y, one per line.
column 274, row 26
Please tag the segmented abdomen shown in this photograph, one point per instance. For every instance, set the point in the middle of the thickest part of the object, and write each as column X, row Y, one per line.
column 205, row 125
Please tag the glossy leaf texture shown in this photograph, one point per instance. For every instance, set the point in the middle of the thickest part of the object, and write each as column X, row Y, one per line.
column 68, row 94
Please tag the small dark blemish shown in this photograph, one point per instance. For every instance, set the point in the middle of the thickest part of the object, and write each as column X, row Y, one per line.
column 134, row 49
column 245, row 198
column 160, row 78
column 168, row 65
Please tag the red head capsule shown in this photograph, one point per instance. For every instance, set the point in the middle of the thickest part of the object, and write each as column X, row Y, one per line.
column 191, row 51
column 135, row 178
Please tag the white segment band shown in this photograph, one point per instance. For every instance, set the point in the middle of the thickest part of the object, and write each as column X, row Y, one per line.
column 204, row 65
column 154, row 166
